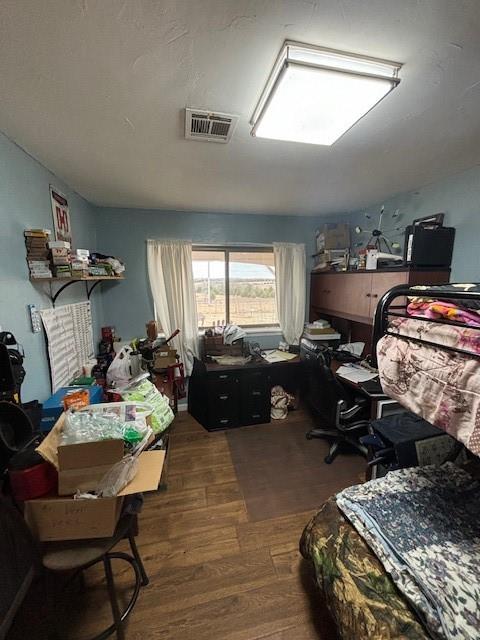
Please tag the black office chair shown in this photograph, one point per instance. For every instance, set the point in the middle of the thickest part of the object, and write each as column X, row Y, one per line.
column 344, row 412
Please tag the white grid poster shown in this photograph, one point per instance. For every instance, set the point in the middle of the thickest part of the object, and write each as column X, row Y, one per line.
column 70, row 341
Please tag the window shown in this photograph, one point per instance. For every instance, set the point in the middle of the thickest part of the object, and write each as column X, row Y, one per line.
column 235, row 285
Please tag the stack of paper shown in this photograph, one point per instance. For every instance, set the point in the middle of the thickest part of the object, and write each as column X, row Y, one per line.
column 355, row 373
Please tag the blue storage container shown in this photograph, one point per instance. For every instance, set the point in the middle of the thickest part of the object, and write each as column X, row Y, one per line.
column 53, row 407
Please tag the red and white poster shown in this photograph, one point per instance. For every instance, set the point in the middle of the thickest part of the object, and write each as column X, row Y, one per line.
column 61, row 216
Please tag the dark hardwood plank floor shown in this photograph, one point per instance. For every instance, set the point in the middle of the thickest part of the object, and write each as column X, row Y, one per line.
column 214, row 573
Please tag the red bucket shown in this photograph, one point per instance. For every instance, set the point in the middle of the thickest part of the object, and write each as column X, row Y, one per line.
column 33, row 482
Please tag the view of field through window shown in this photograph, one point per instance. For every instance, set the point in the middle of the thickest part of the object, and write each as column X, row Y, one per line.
column 251, row 288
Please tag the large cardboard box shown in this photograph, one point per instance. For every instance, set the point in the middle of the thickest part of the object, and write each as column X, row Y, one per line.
column 57, row 518
column 81, row 466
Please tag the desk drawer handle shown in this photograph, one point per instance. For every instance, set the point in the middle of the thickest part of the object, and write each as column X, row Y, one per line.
column 255, row 415
column 223, row 397
column 256, row 393
column 224, row 376
column 374, row 295
column 369, row 295
column 224, row 421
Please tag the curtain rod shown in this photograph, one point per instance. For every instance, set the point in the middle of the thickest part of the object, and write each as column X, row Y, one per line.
column 258, row 245
column 233, row 244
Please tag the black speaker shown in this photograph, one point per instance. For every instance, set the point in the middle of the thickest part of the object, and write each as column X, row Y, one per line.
column 427, row 247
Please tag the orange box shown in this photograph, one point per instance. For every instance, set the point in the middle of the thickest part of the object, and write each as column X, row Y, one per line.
column 76, row 399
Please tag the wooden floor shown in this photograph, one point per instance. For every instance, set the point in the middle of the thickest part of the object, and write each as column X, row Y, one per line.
column 213, row 574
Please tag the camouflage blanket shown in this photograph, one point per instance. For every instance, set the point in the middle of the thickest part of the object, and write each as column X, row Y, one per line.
column 423, row 524
column 359, row 593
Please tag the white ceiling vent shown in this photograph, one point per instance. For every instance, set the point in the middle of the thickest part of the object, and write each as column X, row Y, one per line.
column 209, row 125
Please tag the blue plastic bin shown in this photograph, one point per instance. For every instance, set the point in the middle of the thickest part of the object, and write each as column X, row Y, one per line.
column 53, row 407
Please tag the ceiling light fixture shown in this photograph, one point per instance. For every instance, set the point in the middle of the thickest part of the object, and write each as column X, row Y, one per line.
column 314, row 95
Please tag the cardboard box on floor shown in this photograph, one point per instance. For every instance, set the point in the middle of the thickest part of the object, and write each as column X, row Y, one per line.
column 57, row 518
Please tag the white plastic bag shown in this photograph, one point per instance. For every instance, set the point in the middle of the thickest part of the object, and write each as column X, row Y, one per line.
column 123, row 368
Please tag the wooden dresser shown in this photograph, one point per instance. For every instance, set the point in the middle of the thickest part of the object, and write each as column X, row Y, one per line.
column 353, row 295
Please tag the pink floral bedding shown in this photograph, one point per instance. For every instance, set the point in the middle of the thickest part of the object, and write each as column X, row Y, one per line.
column 438, row 309
column 441, row 386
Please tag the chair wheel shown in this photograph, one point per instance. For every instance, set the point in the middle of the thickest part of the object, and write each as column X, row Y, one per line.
column 328, row 459
column 309, row 436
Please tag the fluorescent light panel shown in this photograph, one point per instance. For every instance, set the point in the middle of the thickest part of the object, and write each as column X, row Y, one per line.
column 315, row 95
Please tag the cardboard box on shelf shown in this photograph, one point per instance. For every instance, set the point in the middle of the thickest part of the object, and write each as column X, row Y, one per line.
column 63, row 518
column 333, row 236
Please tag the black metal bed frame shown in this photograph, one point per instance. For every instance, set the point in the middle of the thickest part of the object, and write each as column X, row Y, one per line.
column 385, row 309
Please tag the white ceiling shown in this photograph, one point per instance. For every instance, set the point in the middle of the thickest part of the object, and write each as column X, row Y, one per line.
column 94, row 89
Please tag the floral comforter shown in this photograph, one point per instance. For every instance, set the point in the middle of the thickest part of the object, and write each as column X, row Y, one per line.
column 443, row 387
column 423, row 524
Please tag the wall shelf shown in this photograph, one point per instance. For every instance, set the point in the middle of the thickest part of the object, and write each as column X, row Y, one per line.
column 67, row 281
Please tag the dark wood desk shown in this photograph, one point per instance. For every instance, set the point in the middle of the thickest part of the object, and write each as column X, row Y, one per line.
column 227, row 396
column 373, row 398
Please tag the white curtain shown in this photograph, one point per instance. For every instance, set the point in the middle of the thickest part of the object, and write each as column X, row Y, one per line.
column 290, row 279
column 171, row 281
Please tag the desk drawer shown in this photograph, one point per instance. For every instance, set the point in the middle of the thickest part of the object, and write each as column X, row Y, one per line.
column 255, row 410
column 222, row 423
column 255, row 416
column 254, row 385
column 221, row 377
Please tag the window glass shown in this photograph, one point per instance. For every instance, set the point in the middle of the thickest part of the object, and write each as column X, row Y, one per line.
column 252, row 288
column 209, row 280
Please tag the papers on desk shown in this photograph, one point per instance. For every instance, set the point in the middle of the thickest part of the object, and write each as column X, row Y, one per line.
column 353, row 347
column 355, row 373
column 275, row 355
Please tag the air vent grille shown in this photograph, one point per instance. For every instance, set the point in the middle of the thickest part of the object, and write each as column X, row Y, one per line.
column 208, row 125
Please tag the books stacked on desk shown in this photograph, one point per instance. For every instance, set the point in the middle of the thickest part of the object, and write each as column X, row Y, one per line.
column 36, row 242
column 320, row 330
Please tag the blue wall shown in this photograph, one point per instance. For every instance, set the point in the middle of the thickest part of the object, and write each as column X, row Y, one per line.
column 128, row 305
column 25, row 202
column 459, row 198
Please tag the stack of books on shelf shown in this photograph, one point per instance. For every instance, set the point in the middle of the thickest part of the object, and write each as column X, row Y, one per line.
column 60, row 255
column 36, row 241
column 80, row 263
column 320, row 330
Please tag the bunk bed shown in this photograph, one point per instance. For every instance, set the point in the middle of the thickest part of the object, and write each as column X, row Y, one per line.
column 399, row 557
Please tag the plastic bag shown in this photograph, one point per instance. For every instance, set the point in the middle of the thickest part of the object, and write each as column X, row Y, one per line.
column 92, row 426
column 117, row 477
column 123, row 368
column 144, row 391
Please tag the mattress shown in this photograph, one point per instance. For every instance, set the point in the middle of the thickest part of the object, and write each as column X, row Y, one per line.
column 441, row 386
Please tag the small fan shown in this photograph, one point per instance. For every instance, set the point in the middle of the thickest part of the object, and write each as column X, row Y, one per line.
column 377, row 235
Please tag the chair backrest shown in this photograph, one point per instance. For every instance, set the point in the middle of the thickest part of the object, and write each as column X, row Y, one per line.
column 324, row 390
column 7, row 380
column 16, row 430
